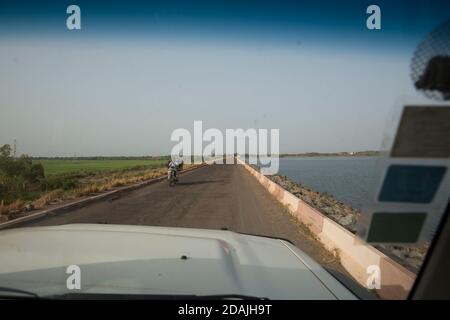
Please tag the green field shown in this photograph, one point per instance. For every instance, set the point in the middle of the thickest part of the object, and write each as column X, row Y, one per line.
column 58, row 166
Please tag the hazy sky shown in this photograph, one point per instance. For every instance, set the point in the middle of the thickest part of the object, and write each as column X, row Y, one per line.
column 133, row 74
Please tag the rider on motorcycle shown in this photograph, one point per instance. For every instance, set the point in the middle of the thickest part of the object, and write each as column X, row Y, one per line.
column 175, row 166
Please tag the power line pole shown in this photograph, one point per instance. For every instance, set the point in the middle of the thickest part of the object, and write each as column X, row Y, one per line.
column 15, row 148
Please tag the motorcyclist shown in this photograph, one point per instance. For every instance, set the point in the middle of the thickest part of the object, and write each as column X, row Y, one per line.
column 175, row 166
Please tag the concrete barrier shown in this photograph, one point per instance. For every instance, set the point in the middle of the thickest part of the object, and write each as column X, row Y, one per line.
column 355, row 255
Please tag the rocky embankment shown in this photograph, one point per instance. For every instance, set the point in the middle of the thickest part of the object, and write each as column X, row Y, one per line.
column 343, row 214
column 346, row 216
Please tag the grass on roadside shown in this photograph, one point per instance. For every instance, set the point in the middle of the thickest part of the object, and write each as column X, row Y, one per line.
column 87, row 185
column 57, row 166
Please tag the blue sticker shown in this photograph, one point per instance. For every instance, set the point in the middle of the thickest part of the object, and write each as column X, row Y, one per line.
column 411, row 183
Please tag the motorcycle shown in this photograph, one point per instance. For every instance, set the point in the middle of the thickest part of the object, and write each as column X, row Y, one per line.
column 171, row 176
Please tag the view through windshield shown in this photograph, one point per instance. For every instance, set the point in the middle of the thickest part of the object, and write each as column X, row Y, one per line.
column 265, row 149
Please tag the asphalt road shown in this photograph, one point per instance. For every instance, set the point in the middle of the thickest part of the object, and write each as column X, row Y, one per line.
column 211, row 197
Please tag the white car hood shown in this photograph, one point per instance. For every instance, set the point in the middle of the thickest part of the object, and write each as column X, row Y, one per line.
column 159, row 260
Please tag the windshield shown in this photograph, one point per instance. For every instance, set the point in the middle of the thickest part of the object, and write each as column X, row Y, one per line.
column 157, row 140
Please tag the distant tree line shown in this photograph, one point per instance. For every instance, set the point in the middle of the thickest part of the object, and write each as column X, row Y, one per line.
column 333, row 154
column 105, row 158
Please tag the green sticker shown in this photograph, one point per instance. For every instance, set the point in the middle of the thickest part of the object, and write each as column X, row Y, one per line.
column 394, row 227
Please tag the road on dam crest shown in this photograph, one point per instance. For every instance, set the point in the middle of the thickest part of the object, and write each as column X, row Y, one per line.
column 210, row 197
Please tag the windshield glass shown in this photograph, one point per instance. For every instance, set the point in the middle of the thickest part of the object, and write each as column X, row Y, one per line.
column 157, row 140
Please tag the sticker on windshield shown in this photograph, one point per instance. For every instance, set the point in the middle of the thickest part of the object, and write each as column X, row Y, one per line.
column 413, row 187
column 424, row 132
column 411, row 183
column 395, row 227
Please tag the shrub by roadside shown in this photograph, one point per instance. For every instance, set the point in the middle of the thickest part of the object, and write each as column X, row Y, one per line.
column 19, row 176
column 60, row 181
